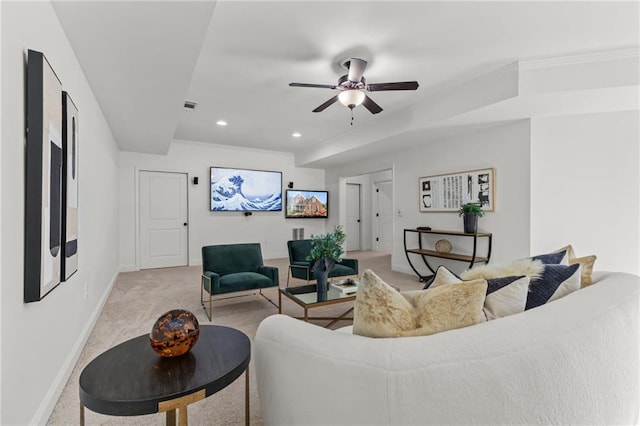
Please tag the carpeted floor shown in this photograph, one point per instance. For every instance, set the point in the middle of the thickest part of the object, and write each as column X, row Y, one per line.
column 139, row 298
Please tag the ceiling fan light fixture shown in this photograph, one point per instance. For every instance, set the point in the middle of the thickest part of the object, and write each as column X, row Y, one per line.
column 351, row 98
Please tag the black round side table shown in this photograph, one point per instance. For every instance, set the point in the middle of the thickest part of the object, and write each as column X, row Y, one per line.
column 131, row 379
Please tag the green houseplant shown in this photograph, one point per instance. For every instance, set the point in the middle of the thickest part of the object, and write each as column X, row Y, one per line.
column 470, row 213
column 326, row 250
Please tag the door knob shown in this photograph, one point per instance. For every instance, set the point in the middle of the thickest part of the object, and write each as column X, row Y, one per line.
column 185, row 224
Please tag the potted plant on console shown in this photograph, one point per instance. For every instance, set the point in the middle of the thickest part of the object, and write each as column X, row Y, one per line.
column 470, row 213
column 326, row 250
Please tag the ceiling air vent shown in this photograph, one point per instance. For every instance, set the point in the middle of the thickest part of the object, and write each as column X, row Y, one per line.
column 190, row 105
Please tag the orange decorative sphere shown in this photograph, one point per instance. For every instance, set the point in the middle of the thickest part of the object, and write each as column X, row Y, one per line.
column 174, row 333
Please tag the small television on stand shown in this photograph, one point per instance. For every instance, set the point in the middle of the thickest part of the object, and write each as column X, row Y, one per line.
column 306, row 204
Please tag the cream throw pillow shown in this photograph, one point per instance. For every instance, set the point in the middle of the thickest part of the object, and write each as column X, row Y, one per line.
column 586, row 265
column 381, row 311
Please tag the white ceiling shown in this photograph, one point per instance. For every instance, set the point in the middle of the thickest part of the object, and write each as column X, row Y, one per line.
column 236, row 58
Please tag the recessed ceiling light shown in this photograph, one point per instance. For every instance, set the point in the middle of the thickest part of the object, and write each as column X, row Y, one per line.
column 296, row 134
column 221, row 123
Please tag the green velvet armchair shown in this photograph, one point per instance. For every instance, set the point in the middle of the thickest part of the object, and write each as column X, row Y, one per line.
column 228, row 268
column 300, row 267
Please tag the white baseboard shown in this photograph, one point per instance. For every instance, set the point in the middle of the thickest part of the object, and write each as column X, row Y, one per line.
column 50, row 400
column 128, row 268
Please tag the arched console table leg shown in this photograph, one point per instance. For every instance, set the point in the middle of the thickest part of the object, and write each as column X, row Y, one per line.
column 425, row 253
column 421, row 277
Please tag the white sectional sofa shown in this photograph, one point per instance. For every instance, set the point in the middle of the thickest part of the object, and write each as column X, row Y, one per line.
column 571, row 361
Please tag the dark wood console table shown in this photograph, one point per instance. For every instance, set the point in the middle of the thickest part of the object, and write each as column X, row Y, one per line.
column 130, row 379
column 424, row 253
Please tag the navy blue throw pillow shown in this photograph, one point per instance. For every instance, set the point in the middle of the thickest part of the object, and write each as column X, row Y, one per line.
column 551, row 258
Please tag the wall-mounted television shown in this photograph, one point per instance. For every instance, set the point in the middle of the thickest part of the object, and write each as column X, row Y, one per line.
column 307, row 204
column 245, row 190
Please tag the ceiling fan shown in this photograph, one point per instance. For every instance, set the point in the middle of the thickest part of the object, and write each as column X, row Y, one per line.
column 353, row 85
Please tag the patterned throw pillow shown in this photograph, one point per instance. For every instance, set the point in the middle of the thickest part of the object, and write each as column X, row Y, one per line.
column 442, row 276
column 381, row 311
column 555, row 282
column 560, row 257
column 428, row 281
column 505, row 295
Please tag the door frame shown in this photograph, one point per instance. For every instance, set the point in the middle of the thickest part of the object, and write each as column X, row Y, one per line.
column 375, row 224
column 367, row 216
column 359, row 185
column 137, row 227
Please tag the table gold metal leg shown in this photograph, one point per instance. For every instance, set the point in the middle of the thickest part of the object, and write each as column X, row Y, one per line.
column 180, row 404
column 341, row 317
column 183, row 416
column 81, row 414
column 171, row 418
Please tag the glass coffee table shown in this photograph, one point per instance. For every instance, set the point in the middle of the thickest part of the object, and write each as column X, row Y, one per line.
column 307, row 297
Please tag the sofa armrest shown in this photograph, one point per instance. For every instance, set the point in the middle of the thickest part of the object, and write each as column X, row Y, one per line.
column 211, row 280
column 351, row 263
column 269, row 271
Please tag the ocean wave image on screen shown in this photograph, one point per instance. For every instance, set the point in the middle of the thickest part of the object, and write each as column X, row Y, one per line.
column 245, row 190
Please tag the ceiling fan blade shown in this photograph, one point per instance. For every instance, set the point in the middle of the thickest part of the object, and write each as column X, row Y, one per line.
column 326, row 104
column 373, row 107
column 404, row 85
column 356, row 69
column 319, row 86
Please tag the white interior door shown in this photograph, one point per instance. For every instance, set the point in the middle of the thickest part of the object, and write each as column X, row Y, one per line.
column 164, row 237
column 353, row 217
column 384, row 216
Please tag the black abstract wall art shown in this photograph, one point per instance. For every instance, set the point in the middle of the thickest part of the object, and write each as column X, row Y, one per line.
column 70, row 140
column 44, row 179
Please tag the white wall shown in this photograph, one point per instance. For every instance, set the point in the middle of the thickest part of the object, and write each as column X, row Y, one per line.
column 270, row 229
column 585, row 187
column 41, row 341
column 559, row 180
column 504, row 147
